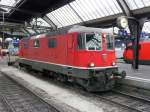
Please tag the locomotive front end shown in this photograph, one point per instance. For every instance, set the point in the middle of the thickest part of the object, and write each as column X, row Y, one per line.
column 96, row 55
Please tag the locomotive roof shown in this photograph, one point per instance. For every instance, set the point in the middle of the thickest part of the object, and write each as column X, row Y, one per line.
column 89, row 29
column 79, row 29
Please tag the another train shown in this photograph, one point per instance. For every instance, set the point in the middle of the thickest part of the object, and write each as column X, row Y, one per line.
column 144, row 55
column 83, row 55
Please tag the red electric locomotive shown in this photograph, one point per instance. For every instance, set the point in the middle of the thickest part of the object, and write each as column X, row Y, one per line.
column 144, row 56
column 80, row 54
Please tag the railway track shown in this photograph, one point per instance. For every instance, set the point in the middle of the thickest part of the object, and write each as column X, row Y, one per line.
column 15, row 98
column 4, row 107
column 128, row 101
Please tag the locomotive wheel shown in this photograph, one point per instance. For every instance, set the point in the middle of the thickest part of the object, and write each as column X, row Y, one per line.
column 85, row 83
column 62, row 78
column 45, row 73
column 28, row 68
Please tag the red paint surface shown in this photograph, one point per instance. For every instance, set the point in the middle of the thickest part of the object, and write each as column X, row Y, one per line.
column 143, row 52
column 66, row 52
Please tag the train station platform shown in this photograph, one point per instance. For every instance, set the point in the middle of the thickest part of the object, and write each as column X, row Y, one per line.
column 136, row 78
column 143, row 71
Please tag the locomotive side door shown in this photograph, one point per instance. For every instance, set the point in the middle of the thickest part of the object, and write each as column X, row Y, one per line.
column 70, row 49
column 24, row 48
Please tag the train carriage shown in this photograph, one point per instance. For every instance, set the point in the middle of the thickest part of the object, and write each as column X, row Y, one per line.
column 81, row 54
column 144, row 56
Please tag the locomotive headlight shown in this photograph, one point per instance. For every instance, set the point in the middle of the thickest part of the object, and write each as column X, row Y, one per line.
column 91, row 64
column 113, row 63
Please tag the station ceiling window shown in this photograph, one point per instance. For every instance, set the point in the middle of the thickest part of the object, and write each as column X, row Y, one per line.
column 146, row 27
column 137, row 4
column 79, row 11
column 40, row 22
column 83, row 10
column 64, row 16
column 8, row 3
column 93, row 9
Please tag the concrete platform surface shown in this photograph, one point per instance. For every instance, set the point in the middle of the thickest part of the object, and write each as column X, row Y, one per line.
column 143, row 72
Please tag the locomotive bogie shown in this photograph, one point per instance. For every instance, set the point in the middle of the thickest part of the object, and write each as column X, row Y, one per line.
column 90, row 79
column 70, row 71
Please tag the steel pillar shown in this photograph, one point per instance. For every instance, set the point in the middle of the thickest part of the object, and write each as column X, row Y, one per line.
column 135, row 27
column 124, row 7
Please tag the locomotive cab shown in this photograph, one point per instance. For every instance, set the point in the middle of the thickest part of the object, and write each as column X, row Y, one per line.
column 95, row 57
column 95, row 50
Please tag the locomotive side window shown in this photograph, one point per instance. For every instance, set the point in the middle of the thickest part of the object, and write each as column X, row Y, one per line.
column 80, row 42
column 93, row 41
column 36, row 43
column 52, row 43
column 109, row 42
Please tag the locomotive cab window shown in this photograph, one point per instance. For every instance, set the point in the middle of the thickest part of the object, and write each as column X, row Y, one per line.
column 52, row 43
column 36, row 43
column 89, row 41
column 109, row 42
column 93, row 41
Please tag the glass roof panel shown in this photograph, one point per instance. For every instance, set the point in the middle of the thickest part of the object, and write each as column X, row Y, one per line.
column 8, row 3
column 89, row 9
column 64, row 16
column 40, row 22
column 146, row 27
column 43, row 22
column 140, row 3
column 101, row 8
column 137, row 4
column 54, row 19
column 79, row 10
column 56, row 14
column 117, row 8
column 146, row 2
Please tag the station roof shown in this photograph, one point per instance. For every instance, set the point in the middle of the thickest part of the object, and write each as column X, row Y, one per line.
column 61, row 13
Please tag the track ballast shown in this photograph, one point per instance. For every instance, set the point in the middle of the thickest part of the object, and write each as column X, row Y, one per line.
column 15, row 98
